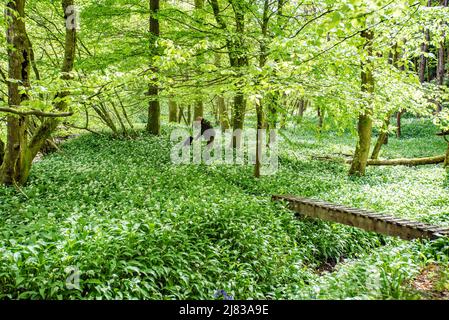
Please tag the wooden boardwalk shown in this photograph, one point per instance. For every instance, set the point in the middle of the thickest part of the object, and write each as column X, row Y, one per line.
column 363, row 219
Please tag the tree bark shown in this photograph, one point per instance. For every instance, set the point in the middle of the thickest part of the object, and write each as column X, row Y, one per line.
column 238, row 56
column 441, row 67
column 189, row 114
column 2, row 151
column 399, row 123
column 198, row 110
column 446, row 157
column 382, row 139
column 13, row 169
column 172, row 111
column 223, row 114
column 365, row 124
column 302, row 107
column 259, row 108
column 408, row 162
column 49, row 125
column 320, row 115
column 19, row 154
column 424, row 50
column 154, row 109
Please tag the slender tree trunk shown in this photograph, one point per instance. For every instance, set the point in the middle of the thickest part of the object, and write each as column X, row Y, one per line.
column 19, row 154
column 173, row 111
column 199, row 109
column 365, row 124
column 199, row 104
column 320, row 114
column 180, row 114
column 302, row 107
column 154, row 110
column 2, row 151
column 49, row 125
column 238, row 56
column 258, row 165
column 223, row 114
column 382, row 139
column 446, row 157
column 189, row 114
column 221, row 104
column 240, row 60
column 424, row 50
column 441, row 67
column 259, row 107
column 399, row 123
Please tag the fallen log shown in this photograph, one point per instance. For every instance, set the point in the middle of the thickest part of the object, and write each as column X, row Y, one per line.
column 406, row 162
column 363, row 219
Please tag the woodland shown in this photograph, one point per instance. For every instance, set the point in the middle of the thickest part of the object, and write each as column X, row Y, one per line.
column 93, row 207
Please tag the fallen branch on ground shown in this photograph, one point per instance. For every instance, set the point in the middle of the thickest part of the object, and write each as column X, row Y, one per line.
column 406, row 162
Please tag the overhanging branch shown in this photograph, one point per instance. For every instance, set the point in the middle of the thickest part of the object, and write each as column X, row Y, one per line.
column 36, row 113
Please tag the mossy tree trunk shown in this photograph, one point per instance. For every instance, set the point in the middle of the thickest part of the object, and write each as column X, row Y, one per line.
column 365, row 123
column 172, row 111
column 19, row 152
column 223, row 114
column 13, row 169
column 198, row 110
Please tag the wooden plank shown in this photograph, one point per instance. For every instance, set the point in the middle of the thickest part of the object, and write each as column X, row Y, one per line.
column 363, row 219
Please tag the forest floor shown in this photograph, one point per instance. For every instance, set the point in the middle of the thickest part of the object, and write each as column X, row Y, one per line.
column 134, row 225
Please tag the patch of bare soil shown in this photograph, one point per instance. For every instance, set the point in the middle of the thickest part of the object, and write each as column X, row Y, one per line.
column 329, row 265
column 430, row 284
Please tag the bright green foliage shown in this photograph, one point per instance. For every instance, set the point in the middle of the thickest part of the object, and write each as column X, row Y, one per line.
column 138, row 227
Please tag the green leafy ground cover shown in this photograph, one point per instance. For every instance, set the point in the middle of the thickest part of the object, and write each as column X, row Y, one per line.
column 137, row 226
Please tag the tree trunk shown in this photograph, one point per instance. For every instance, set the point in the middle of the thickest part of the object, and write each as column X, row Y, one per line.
column 189, row 114
column 259, row 107
column 198, row 110
column 238, row 55
column 154, row 110
column 181, row 115
column 424, row 50
column 13, row 169
column 441, row 67
column 223, row 114
column 259, row 141
column 19, row 154
column 399, row 123
column 2, row 151
column 423, row 58
column 446, row 157
column 49, row 125
column 408, row 162
column 365, row 122
column 173, row 111
column 382, row 139
column 302, row 107
column 320, row 115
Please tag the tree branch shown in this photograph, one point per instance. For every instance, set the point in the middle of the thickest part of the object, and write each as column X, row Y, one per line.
column 36, row 113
